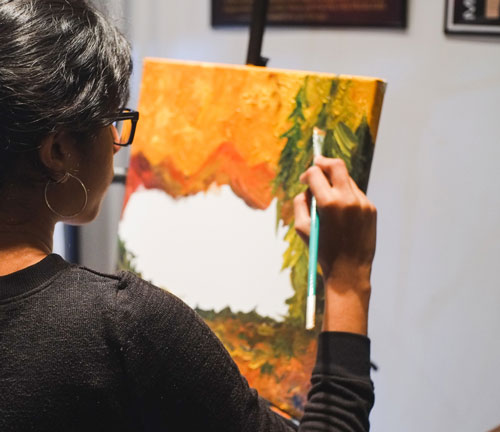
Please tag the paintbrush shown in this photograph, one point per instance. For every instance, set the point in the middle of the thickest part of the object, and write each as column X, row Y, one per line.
column 318, row 139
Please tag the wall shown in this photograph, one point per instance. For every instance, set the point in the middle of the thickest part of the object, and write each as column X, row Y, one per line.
column 436, row 296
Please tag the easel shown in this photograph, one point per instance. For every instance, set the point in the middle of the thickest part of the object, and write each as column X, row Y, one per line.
column 257, row 28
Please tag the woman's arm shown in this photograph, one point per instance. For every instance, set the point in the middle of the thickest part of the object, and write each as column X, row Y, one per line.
column 346, row 242
column 342, row 392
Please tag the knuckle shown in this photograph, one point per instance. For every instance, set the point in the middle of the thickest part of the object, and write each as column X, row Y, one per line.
column 352, row 207
column 339, row 206
column 366, row 204
column 351, row 201
column 298, row 199
column 330, row 202
column 369, row 207
column 314, row 170
column 338, row 163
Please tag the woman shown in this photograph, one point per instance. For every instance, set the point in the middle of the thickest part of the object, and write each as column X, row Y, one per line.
column 85, row 351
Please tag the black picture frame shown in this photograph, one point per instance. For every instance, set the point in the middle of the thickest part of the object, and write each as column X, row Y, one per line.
column 472, row 17
column 323, row 13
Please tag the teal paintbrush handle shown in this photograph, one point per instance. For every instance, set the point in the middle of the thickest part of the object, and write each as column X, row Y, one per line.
column 313, row 265
column 318, row 140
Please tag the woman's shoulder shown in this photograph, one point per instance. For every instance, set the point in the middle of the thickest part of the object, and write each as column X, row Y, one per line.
column 123, row 304
column 119, row 286
column 127, row 295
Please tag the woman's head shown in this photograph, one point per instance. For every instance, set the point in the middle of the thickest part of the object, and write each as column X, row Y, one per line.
column 63, row 69
column 62, row 65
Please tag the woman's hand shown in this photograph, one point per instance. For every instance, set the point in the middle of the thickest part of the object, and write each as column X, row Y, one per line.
column 346, row 242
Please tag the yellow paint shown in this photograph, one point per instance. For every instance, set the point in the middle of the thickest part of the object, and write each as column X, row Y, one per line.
column 189, row 109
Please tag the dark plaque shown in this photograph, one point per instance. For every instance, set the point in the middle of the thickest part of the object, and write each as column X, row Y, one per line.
column 352, row 13
column 473, row 16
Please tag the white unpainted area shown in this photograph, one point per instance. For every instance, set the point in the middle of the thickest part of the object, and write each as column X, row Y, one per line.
column 203, row 249
column 434, row 319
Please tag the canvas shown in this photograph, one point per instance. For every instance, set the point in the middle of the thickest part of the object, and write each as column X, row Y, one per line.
column 208, row 208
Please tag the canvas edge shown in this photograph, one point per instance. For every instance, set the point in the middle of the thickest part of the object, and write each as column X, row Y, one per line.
column 158, row 60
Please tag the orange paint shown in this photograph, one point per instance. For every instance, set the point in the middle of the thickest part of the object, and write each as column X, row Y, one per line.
column 204, row 124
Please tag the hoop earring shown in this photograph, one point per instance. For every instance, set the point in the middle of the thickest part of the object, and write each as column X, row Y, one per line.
column 62, row 180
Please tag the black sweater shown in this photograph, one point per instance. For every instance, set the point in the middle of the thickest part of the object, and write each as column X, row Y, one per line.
column 83, row 351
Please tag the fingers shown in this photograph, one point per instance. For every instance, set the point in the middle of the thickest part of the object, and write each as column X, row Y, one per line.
column 318, row 183
column 302, row 216
column 335, row 170
column 328, row 179
column 348, row 218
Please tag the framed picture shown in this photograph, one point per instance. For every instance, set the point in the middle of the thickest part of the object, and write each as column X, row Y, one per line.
column 330, row 13
column 480, row 17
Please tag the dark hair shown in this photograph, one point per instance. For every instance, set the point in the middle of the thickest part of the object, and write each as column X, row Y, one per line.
column 63, row 66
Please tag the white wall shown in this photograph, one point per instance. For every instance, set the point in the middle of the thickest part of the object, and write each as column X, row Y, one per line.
column 59, row 240
column 435, row 313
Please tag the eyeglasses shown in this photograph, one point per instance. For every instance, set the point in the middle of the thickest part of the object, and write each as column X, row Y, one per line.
column 124, row 127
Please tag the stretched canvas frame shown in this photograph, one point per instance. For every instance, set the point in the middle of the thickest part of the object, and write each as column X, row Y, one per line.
column 205, row 127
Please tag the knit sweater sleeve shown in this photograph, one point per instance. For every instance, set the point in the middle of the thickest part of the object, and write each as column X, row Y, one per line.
column 180, row 376
column 342, row 393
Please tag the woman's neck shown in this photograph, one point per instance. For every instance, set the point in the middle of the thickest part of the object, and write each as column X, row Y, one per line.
column 22, row 246
column 26, row 228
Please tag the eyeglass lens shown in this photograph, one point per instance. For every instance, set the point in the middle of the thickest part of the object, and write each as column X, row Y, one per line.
column 124, row 129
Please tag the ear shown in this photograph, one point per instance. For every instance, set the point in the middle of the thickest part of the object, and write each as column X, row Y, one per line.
column 55, row 151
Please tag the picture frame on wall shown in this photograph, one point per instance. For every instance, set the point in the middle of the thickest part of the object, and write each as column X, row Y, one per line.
column 325, row 13
column 474, row 17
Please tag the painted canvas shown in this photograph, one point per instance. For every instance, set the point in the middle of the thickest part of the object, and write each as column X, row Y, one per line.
column 208, row 208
